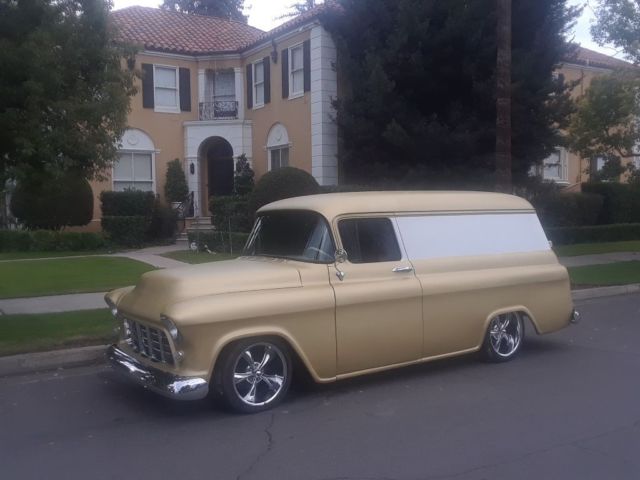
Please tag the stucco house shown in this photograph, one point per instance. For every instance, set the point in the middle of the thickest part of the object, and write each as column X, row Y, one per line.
column 566, row 168
column 213, row 89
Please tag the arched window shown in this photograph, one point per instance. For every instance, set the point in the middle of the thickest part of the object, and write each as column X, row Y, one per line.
column 278, row 147
column 135, row 167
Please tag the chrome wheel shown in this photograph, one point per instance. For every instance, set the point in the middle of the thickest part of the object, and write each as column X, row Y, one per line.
column 505, row 334
column 259, row 374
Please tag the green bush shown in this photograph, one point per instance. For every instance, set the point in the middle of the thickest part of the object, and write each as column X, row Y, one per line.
column 621, row 202
column 163, row 223
column 50, row 241
column 220, row 242
column 130, row 203
column 175, row 188
column 243, row 177
column 231, row 213
column 128, row 231
column 594, row 234
column 52, row 201
column 575, row 209
column 282, row 183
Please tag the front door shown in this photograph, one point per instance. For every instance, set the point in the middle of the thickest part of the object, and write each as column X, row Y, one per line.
column 378, row 300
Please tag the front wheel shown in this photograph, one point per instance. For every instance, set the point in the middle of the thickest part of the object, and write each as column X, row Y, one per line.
column 504, row 337
column 256, row 374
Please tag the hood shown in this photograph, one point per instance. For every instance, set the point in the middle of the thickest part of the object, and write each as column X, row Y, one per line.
column 158, row 289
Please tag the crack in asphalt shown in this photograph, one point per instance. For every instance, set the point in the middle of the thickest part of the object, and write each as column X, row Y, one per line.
column 270, row 444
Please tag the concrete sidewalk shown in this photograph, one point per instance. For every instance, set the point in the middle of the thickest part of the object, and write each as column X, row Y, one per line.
column 52, row 304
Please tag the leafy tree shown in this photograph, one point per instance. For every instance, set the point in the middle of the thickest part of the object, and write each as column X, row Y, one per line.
column 618, row 23
column 606, row 122
column 229, row 9
column 418, row 105
column 64, row 96
column 243, row 176
column 300, row 8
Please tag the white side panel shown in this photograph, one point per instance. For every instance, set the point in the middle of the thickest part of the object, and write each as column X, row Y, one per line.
column 438, row 236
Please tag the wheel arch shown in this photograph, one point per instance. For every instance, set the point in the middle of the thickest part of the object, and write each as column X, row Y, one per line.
column 524, row 311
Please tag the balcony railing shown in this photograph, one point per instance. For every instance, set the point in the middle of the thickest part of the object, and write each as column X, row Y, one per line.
column 217, row 110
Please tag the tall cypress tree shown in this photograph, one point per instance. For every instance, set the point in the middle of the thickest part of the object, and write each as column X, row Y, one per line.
column 417, row 78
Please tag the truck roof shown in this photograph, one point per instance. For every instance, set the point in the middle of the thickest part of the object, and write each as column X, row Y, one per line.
column 332, row 205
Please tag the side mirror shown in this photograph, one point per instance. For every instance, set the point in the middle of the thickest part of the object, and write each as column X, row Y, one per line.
column 340, row 256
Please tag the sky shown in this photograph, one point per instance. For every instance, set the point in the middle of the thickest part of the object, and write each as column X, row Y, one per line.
column 263, row 14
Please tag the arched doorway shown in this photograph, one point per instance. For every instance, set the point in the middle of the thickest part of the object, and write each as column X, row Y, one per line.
column 216, row 156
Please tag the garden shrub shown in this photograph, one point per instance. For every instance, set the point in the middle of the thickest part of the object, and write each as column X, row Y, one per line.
column 231, row 213
column 163, row 223
column 621, row 202
column 282, row 183
column 594, row 233
column 50, row 241
column 220, row 242
column 128, row 231
column 52, row 201
column 570, row 209
column 175, row 188
column 128, row 203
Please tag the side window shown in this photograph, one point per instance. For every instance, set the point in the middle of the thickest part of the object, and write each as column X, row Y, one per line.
column 369, row 240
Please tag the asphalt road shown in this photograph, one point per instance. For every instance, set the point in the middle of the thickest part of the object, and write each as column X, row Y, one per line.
column 567, row 408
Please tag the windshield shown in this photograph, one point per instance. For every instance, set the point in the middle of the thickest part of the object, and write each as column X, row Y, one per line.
column 298, row 235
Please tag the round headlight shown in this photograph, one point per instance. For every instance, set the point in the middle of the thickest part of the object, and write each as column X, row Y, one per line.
column 171, row 327
column 112, row 306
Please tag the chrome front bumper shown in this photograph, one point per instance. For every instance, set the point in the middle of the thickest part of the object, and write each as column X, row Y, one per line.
column 156, row 380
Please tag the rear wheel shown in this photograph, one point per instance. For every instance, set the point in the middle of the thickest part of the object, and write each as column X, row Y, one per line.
column 504, row 337
column 256, row 374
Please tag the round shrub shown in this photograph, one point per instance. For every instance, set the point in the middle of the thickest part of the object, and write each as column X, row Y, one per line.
column 175, row 188
column 282, row 183
column 53, row 201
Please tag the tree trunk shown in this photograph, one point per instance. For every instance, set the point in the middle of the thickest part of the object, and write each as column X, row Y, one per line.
column 503, row 97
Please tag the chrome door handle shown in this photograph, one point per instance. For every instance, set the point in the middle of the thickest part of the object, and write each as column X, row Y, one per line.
column 403, row 269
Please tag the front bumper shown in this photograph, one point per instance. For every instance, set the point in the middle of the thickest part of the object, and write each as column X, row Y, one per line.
column 156, row 380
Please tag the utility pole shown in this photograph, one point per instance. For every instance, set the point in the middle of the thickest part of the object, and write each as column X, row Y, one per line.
column 503, row 97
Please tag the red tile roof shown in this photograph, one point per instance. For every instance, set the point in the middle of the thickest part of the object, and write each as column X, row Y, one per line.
column 174, row 32
column 591, row 58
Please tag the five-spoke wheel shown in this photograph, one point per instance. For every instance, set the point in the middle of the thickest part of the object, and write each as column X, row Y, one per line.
column 504, row 337
column 255, row 374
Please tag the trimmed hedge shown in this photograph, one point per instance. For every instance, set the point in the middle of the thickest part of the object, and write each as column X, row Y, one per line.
column 163, row 224
column 130, row 203
column 50, row 241
column 222, row 242
column 560, row 209
column 282, row 183
column 594, row 234
column 128, row 231
column 621, row 202
column 231, row 213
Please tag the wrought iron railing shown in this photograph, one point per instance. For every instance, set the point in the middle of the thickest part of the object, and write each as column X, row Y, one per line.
column 218, row 109
column 186, row 209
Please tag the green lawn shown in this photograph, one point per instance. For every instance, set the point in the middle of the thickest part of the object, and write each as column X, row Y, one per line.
column 595, row 248
column 30, row 255
column 188, row 256
column 50, row 331
column 68, row 275
column 619, row 273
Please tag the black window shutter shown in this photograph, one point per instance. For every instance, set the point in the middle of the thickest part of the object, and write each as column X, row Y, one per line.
column 266, row 62
column 185, row 89
column 249, row 86
column 147, row 85
column 306, row 54
column 285, row 72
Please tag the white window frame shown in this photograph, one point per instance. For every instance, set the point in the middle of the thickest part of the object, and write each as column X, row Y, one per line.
column 135, row 152
column 293, row 94
column 162, row 108
column 564, row 167
column 256, row 85
column 270, row 151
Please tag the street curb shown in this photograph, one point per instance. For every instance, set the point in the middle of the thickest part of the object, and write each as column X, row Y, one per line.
column 42, row 361
column 599, row 292
column 74, row 357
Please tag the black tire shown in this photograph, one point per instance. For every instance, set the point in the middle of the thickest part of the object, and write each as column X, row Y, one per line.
column 504, row 337
column 257, row 385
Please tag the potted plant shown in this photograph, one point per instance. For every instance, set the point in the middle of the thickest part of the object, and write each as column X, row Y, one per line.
column 175, row 188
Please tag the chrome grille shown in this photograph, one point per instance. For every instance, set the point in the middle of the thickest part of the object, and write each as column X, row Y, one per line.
column 148, row 341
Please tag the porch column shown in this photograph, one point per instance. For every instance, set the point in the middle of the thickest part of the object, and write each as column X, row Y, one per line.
column 239, row 84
